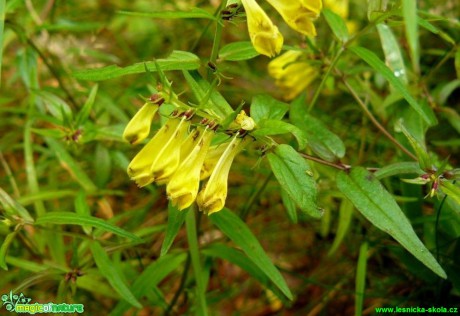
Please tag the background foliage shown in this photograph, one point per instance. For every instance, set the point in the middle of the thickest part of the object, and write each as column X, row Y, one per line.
column 385, row 97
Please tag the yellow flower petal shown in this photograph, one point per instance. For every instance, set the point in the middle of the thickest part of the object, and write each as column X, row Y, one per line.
column 161, row 152
column 299, row 15
column 211, row 199
column 168, row 158
column 265, row 36
column 291, row 76
column 212, row 157
column 183, row 187
column 138, row 127
column 244, row 121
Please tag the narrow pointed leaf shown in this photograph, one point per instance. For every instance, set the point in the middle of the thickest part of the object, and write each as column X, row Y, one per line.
column 369, row 57
column 379, row 207
column 238, row 51
column 451, row 190
column 4, row 248
column 360, row 281
column 393, row 56
column 153, row 274
column 67, row 218
column 235, row 256
column 178, row 60
column 175, row 220
column 111, row 272
column 234, row 228
column 194, row 13
column 411, row 26
column 337, row 25
column 294, row 175
column 419, row 148
column 405, row 167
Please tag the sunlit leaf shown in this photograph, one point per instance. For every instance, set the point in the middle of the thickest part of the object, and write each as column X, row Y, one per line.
column 67, row 218
column 178, row 60
column 238, row 51
column 371, row 58
column 379, row 207
column 294, row 175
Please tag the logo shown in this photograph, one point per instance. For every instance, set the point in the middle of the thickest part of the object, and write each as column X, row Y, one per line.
column 21, row 304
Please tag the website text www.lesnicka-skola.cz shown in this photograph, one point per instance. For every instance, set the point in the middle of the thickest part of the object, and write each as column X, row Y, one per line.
column 416, row 309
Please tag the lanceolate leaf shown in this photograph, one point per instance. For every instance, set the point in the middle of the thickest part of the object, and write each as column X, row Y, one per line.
column 150, row 277
column 452, row 191
column 234, row 228
column 372, row 59
column 380, row 208
column 238, row 51
column 194, row 13
column 175, row 220
column 392, row 52
column 294, row 175
column 178, row 60
column 236, row 257
column 405, row 167
column 337, row 25
column 419, row 148
column 112, row 274
column 67, row 218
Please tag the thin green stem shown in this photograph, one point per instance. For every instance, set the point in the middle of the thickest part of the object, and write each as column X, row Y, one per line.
column 215, row 45
column 194, row 249
column 375, row 122
column 323, row 80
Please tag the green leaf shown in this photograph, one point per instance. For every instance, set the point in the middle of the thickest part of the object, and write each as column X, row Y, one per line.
column 201, row 88
column 4, row 248
column 457, row 62
column 405, row 167
column 295, row 176
column 67, row 218
column 360, row 282
column 82, row 208
column 13, row 208
column 409, row 8
column 393, row 56
column 178, row 60
column 153, row 274
column 264, row 106
column 291, row 207
column 175, row 220
column 83, row 115
column 321, row 140
column 70, row 164
column 111, row 272
column 235, row 257
column 337, row 25
column 369, row 57
column 419, row 148
column 451, row 190
column 345, row 217
column 379, row 207
column 238, row 51
column 234, row 228
column 194, row 13
column 276, row 127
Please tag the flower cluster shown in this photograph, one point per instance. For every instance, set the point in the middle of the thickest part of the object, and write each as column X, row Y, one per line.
column 181, row 155
column 292, row 75
column 265, row 36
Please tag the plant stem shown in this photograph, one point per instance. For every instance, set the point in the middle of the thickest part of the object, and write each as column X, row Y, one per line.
column 181, row 287
column 192, row 238
column 323, row 80
column 375, row 122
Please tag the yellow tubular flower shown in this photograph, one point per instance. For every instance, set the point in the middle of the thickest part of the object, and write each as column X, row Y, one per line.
column 211, row 199
column 265, row 36
column 212, row 157
column 140, row 168
column 298, row 14
column 138, row 127
column 291, row 75
column 183, row 187
column 168, row 158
